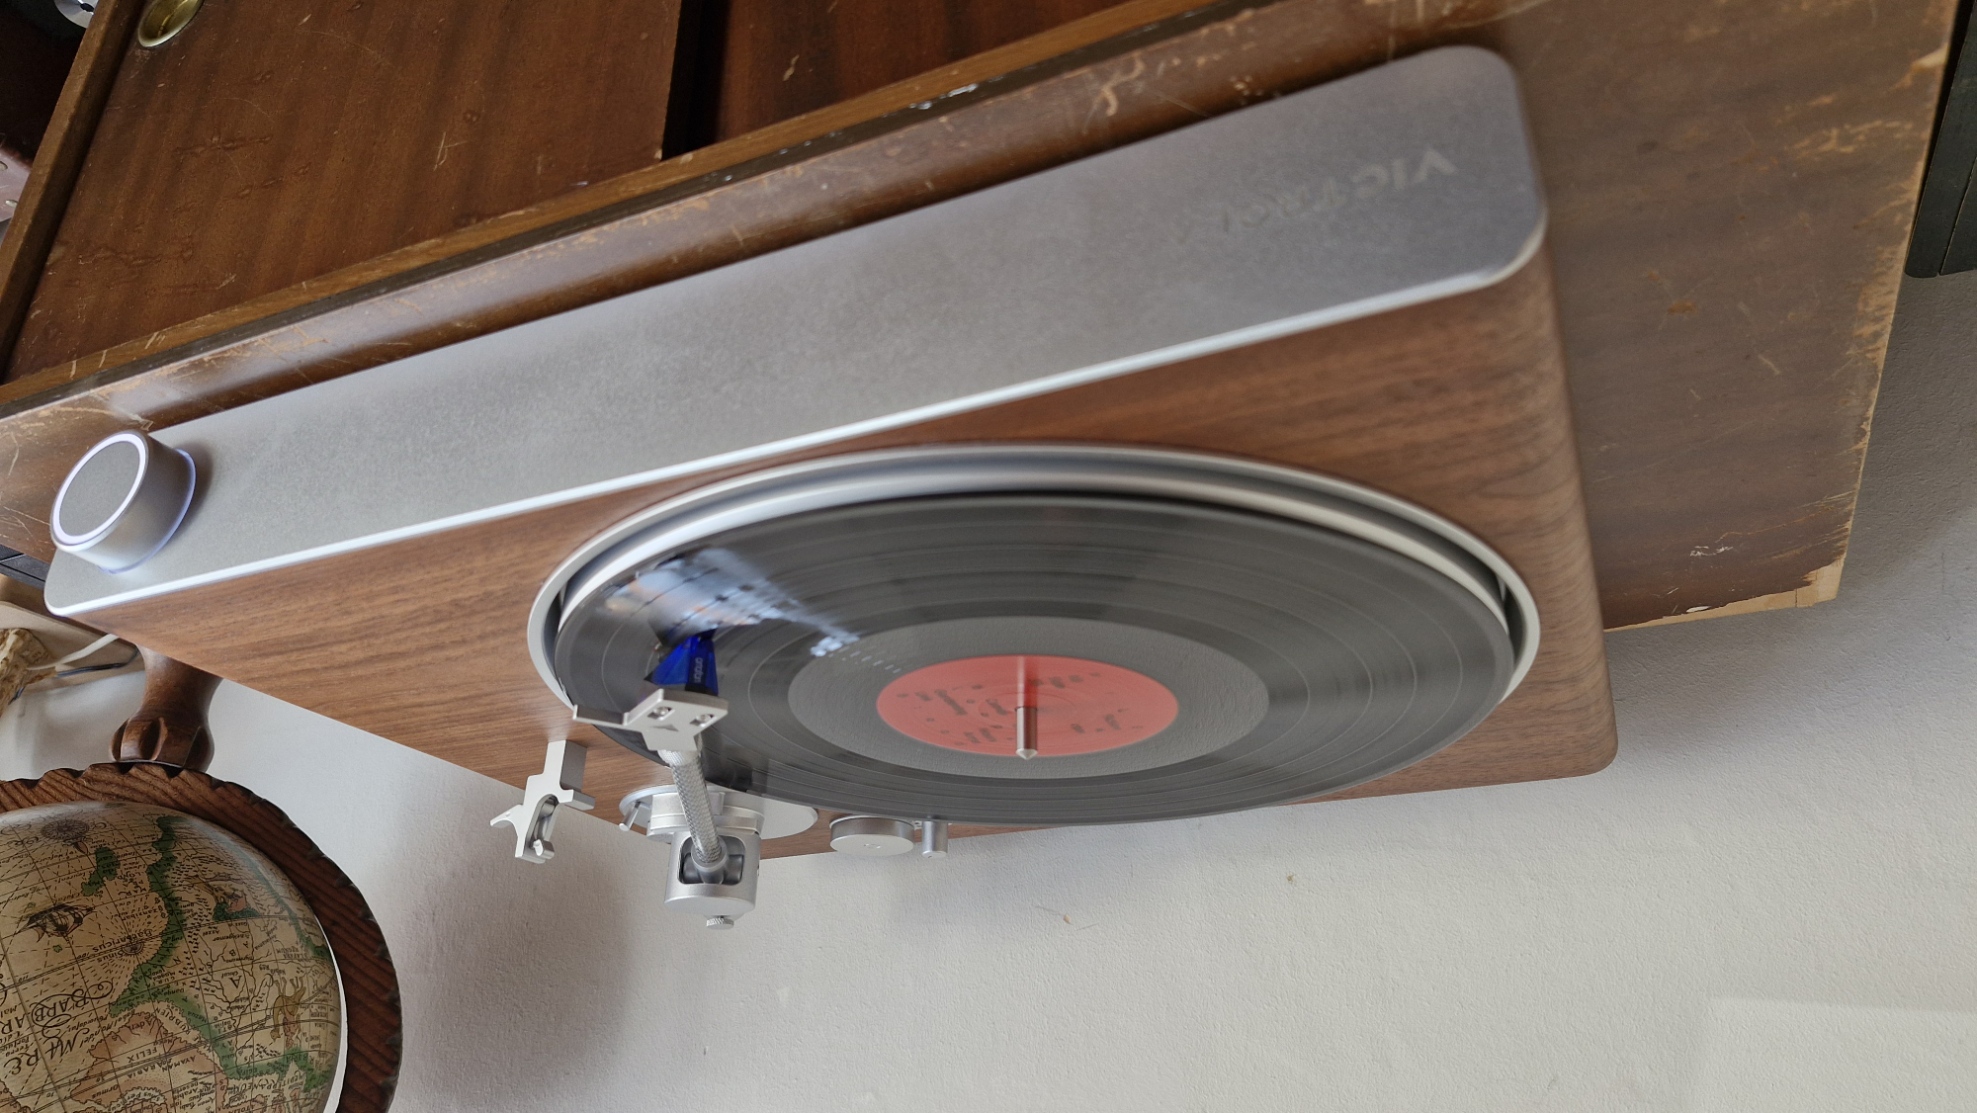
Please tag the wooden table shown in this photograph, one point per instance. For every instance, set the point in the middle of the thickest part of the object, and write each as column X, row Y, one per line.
column 1731, row 190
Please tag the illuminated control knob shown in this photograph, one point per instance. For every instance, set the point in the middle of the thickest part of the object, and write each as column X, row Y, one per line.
column 122, row 501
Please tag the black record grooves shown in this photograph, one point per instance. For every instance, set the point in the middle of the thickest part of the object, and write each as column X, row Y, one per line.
column 1302, row 659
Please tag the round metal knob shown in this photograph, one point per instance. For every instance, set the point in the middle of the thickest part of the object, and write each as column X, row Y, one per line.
column 78, row 12
column 122, row 501
column 871, row 836
column 163, row 20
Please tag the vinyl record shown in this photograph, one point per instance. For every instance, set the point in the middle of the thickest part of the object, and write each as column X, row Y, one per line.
column 1046, row 634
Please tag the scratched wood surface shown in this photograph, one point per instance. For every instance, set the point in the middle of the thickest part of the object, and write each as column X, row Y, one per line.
column 58, row 161
column 1730, row 187
column 275, row 141
column 770, row 60
column 1459, row 405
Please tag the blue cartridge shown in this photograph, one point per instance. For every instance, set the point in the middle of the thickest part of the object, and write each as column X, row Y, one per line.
column 690, row 665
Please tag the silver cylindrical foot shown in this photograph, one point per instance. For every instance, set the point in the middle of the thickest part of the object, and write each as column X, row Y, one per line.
column 933, row 838
column 871, row 836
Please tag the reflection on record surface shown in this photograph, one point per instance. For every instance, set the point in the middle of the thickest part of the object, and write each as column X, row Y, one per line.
column 1049, row 657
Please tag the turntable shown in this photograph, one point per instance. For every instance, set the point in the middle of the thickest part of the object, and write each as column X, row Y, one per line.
column 1022, row 635
column 1227, row 469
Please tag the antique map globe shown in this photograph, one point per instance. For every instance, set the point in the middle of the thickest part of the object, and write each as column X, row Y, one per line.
column 150, row 961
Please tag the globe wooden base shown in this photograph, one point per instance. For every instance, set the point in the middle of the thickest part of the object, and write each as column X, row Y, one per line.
column 370, row 984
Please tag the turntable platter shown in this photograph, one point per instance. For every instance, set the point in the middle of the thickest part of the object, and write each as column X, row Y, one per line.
column 1031, row 635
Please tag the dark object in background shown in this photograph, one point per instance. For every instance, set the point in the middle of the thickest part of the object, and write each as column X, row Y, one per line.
column 37, row 46
column 48, row 18
column 34, row 61
column 1945, row 239
column 20, row 566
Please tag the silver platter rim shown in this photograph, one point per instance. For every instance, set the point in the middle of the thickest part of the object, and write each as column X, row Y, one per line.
column 965, row 469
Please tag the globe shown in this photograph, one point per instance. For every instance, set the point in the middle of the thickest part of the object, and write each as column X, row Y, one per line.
column 150, row 962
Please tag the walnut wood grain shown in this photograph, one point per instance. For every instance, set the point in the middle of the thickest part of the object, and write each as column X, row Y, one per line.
column 275, row 141
column 775, row 59
column 1730, row 189
column 1459, row 405
column 372, row 1021
column 232, row 355
column 58, row 161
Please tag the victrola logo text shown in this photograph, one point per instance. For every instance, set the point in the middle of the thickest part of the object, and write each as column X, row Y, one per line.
column 1329, row 194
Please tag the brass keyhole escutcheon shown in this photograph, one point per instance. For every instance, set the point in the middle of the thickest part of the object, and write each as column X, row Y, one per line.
column 163, row 19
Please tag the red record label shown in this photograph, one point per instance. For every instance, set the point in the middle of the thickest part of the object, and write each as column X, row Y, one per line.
column 1027, row 705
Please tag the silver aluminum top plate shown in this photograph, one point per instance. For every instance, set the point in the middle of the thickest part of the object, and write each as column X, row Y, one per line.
column 1401, row 185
